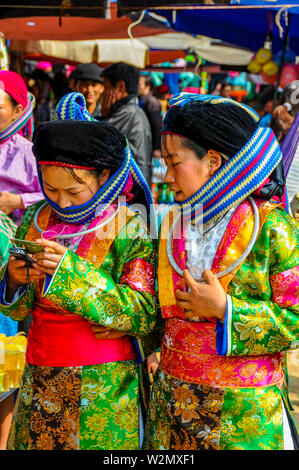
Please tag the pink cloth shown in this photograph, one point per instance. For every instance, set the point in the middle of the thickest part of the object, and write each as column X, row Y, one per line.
column 192, row 89
column 13, row 84
column 18, row 173
column 44, row 65
column 285, row 287
column 62, row 228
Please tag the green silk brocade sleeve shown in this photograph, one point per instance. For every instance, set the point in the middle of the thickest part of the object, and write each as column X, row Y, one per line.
column 263, row 317
column 105, row 295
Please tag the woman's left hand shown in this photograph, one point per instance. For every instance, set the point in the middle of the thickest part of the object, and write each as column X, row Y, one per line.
column 48, row 261
column 205, row 300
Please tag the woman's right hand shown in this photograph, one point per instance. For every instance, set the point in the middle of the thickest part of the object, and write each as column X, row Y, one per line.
column 17, row 274
column 103, row 332
column 152, row 363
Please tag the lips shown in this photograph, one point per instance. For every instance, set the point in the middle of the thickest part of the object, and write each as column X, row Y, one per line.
column 178, row 194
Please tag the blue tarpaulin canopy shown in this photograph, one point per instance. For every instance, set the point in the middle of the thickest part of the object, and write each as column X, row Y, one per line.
column 243, row 23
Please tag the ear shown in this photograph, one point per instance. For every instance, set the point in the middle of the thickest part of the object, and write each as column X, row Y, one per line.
column 105, row 176
column 215, row 161
column 17, row 111
column 121, row 86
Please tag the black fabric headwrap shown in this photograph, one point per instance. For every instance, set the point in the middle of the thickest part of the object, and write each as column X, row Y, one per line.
column 84, row 143
column 222, row 127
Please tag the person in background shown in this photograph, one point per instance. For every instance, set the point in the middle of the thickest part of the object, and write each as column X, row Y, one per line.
column 152, row 108
column 88, row 81
column 121, row 109
column 60, row 85
column 163, row 95
column 265, row 100
column 284, row 114
column 39, row 84
column 71, row 81
column 19, row 187
column 225, row 90
column 217, row 89
column 285, row 125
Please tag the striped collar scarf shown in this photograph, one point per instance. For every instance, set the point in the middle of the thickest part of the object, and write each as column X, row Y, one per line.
column 237, row 178
column 24, row 120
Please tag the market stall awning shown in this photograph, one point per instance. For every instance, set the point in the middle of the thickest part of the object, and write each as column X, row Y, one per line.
column 141, row 52
column 132, row 51
column 243, row 23
column 210, row 50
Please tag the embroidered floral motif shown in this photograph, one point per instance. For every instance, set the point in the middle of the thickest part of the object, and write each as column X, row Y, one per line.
column 139, row 275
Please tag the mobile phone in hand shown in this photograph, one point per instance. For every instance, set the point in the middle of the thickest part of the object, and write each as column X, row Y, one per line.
column 30, row 247
column 20, row 253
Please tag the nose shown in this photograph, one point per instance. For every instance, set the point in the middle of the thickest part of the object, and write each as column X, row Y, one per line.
column 63, row 202
column 169, row 176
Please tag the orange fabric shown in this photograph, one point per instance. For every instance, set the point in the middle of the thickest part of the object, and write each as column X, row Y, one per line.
column 239, row 94
column 72, row 28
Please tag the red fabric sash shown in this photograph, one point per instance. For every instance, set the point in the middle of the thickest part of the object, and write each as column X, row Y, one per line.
column 189, row 353
column 57, row 339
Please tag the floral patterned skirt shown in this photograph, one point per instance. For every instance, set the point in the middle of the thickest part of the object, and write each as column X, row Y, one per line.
column 72, row 408
column 187, row 416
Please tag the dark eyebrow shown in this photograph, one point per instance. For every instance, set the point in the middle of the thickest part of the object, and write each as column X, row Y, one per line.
column 68, row 189
column 170, row 155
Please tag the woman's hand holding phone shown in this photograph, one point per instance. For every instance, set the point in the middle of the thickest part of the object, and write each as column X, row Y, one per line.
column 44, row 262
column 17, row 275
column 48, row 260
